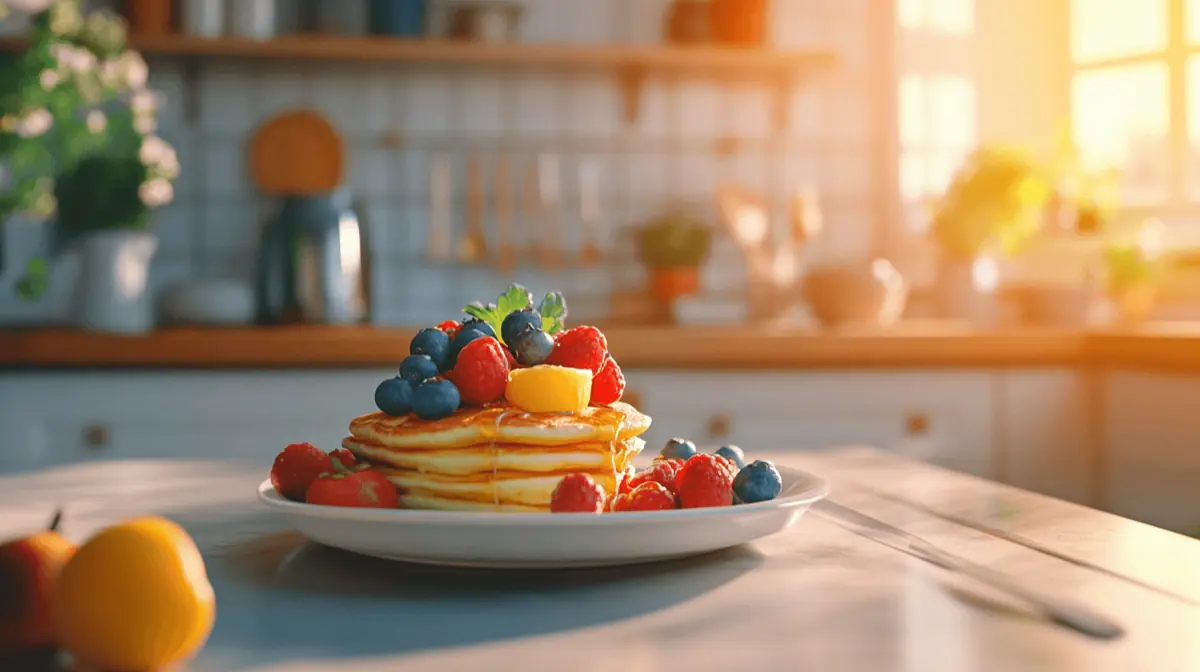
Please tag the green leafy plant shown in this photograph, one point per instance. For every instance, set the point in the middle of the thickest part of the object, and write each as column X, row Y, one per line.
column 1129, row 267
column 675, row 241
column 996, row 198
column 76, row 92
column 553, row 309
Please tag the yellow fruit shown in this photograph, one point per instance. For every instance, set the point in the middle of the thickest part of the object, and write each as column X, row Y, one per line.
column 549, row 389
column 135, row 597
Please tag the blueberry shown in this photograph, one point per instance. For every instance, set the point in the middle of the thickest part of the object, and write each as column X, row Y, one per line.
column 478, row 325
column 679, row 449
column 532, row 346
column 394, row 397
column 515, row 323
column 732, row 453
column 758, row 481
column 432, row 342
column 435, row 399
column 416, row 368
column 465, row 336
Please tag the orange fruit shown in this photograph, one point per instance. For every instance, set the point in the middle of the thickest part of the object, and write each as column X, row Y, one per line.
column 135, row 597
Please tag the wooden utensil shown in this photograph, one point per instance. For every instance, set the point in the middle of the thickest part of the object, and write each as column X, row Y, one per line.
column 531, row 212
column 472, row 247
column 440, row 203
column 506, row 252
column 548, row 232
column 297, row 153
column 589, row 212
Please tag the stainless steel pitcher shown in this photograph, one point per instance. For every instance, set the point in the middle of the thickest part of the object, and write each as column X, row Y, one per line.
column 313, row 264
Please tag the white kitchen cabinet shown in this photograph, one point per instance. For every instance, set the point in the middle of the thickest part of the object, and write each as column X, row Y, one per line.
column 1151, row 450
column 49, row 418
column 1045, row 431
column 943, row 417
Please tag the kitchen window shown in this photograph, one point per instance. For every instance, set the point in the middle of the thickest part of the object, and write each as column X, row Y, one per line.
column 1135, row 96
column 936, row 100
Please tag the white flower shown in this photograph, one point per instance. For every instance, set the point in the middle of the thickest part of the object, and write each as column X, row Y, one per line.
column 156, row 192
column 96, row 121
column 35, row 123
column 135, row 70
column 157, row 154
column 73, row 59
column 144, row 124
column 48, row 79
column 28, row 6
column 144, row 101
column 110, row 73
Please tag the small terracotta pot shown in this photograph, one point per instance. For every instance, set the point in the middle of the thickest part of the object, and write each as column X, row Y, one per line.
column 149, row 18
column 668, row 284
column 741, row 23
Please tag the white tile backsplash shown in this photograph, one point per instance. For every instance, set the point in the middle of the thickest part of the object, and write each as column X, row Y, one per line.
column 668, row 158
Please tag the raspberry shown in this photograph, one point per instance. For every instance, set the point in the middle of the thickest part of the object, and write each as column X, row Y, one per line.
column 624, row 480
column 609, row 385
column 663, row 472
column 481, row 373
column 297, row 467
column 703, row 481
column 650, row 496
column 345, row 457
column 577, row 493
column 580, row 348
column 451, row 327
column 619, row 502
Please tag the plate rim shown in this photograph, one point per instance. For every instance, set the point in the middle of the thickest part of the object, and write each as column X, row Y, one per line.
column 817, row 491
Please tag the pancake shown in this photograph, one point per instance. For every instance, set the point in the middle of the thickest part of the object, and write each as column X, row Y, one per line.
column 503, row 477
column 501, row 423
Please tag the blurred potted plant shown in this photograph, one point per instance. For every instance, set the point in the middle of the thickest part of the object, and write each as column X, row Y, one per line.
column 74, row 104
column 1133, row 273
column 994, row 204
column 672, row 249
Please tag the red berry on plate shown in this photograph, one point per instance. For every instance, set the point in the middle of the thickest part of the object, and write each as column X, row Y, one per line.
column 650, row 496
column 345, row 457
column 297, row 467
column 663, row 472
column 580, row 348
column 577, row 493
column 481, row 373
column 608, row 386
column 364, row 489
column 703, row 481
column 624, row 479
column 619, row 503
column 451, row 327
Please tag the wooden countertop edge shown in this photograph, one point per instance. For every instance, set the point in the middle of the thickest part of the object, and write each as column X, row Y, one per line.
column 724, row 348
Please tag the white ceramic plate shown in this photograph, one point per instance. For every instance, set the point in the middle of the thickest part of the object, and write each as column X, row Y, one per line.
column 547, row 540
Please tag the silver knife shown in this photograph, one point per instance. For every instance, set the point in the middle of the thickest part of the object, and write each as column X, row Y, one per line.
column 1065, row 612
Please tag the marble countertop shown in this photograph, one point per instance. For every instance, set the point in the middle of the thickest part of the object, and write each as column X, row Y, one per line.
column 817, row 597
column 1170, row 346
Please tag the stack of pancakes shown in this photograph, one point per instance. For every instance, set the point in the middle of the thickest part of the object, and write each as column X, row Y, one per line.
column 496, row 458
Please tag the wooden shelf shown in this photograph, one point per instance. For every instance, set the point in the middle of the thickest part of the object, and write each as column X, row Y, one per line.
column 633, row 63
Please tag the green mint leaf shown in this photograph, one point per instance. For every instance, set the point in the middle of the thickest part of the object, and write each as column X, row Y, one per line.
column 478, row 311
column 515, row 297
column 553, row 310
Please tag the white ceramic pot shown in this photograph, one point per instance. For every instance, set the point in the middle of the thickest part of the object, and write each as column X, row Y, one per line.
column 112, row 291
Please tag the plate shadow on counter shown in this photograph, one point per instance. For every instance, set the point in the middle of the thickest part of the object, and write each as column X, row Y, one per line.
column 280, row 597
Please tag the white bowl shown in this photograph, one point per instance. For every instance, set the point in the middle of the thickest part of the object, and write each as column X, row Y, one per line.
column 528, row 540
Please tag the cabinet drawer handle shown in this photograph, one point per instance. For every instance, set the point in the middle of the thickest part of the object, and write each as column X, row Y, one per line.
column 719, row 426
column 917, row 424
column 95, row 436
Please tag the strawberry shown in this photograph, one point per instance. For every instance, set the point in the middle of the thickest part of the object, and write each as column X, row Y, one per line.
column 577, row 493
column 649, row 496
column 297, row 467
column 580, row 348
column 362, row 489
column 663, row 472
column 609, row 385
column 451, row 327
column 703, row 481
column 481, row 372
column 344, row 457
column 619, row 502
